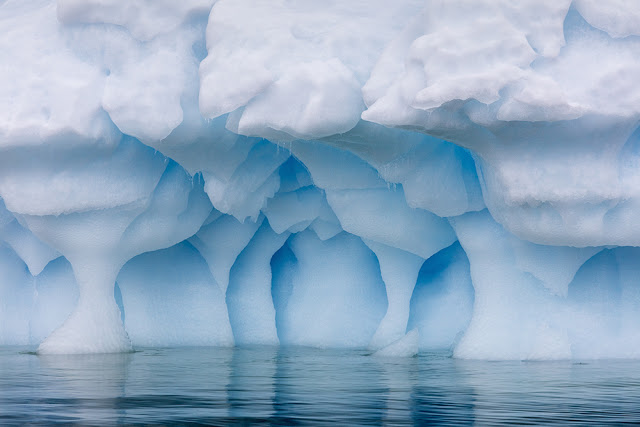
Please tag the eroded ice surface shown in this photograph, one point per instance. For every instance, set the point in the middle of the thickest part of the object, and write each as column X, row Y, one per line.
column 420, row 174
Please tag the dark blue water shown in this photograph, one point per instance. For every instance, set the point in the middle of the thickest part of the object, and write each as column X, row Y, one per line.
column 291, row 386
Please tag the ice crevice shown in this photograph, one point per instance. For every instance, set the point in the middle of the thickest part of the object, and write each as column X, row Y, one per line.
column 397, row 176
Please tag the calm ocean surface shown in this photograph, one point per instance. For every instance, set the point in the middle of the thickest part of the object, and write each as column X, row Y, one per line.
column 292, row 386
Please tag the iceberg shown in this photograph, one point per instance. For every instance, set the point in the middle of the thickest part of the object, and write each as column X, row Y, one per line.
column 397, row 176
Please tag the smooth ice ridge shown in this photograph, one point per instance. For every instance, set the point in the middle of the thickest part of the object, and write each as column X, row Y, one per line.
column 398, row 176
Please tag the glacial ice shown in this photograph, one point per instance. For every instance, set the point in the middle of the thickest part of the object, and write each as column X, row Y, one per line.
column 407, row 346
column 396, row 176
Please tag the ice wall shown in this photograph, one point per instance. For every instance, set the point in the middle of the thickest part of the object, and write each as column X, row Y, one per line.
column 441, row 174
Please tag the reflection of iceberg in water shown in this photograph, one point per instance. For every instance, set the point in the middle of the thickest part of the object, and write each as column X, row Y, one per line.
column 288, row 385
column 251, row 388
column 182, row 384
column 397, row 376
column 439, row 393
column 89, row 388
column 603, row 392
column 328, row 386
column 149, row 386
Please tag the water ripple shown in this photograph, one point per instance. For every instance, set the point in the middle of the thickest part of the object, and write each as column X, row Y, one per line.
column 302, row 386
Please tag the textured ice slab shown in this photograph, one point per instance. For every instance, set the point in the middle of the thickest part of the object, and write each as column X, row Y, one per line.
column 519, row 315
column 333, row 294
column 98, row 242
column 443, row 298
column 297, row 74
column 249, row 299
column 550, row 125
column 329, row 174
column 399, row 270
column 171, row 299
column 406, row 346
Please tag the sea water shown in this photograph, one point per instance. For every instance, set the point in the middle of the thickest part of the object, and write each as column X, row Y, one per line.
column 285, row 386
